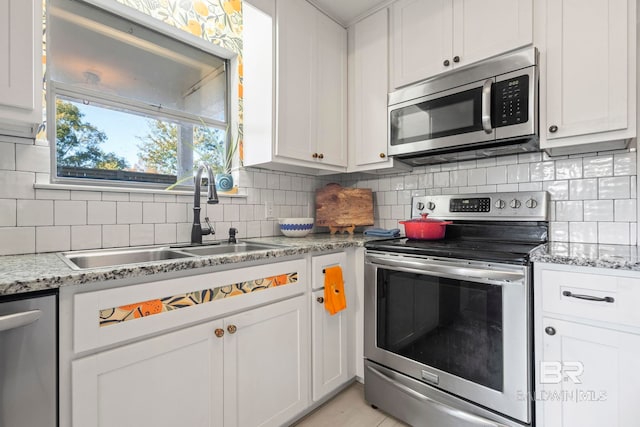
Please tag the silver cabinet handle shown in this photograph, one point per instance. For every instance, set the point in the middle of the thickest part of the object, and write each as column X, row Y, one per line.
column 486, row 105
column 588, row 297
column 17, row 320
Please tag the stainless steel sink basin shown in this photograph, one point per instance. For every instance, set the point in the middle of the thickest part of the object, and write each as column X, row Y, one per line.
column 228, row 248
column 116, row 257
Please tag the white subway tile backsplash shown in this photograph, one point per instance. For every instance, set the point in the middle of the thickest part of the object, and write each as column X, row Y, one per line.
column 459, row 178
column 101, row 212
column 518, row 173
column 487, row 188
column 70, row 212
column 404, row 197
column 291, row 198
column 583, row 232
column 477, row 176
column 597, row 167
column 154, row 213
column 43, row 194
column 17, row 240
column 507, row 187
column 625, row 210
column 425, row 180
column 32, row 158
column 497, row 175
column 285, row 182
column 86, row 195
column 569, row 169
column 468, row 164
column 176, row 212
column 86, row 237
column 598, row 210
column 115, row 197
column 529, row 157
column 583, row 189
column 165, row 233
column 16, row 185
column 624, row 164
column 411, row 182
column 129, row 212
column 115, row 236
column 613, row 233
column 569, row 211
column 559, row 231
column 7, row 156
column 232, row 212
column 34, row 212
column 441, row 179
column 8, row 211
column 273, row 181
column 141, row 197
column 144, row 234
column 530, row 186
column 511, row 159
column 53, row 239
column 396, row 183
column 542, row 171
column 614, row 188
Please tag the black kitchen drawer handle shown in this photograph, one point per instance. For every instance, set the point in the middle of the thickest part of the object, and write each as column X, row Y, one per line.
column 588, row 297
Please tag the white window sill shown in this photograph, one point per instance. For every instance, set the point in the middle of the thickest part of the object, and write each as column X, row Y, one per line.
column 109, row 189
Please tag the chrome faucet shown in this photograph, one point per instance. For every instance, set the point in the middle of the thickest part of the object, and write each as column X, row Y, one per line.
column 212, row 198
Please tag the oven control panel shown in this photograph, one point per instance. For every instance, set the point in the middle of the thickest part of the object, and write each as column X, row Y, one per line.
column 521, row 206
column 475, row 204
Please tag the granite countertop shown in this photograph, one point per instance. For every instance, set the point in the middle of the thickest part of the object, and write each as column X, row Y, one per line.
column 621, row 257
column 28, row 273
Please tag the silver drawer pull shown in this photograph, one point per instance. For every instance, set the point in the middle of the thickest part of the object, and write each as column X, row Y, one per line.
column 588, row 297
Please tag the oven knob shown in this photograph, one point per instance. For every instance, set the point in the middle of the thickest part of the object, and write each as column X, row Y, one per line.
column 431, row 206
column 500, row 204
column 531, row 203
column 420, row 206
column 515, row 203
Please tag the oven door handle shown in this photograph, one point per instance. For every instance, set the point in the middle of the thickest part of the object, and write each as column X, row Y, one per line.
column 452, row 272
column 454, row 413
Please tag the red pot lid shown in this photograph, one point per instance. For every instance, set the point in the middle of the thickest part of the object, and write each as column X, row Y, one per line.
column 424, row 219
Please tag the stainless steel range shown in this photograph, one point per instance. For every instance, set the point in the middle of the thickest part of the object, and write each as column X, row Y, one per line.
column 448, row 338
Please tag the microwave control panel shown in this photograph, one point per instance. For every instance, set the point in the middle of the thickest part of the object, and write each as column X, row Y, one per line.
column 510, row 102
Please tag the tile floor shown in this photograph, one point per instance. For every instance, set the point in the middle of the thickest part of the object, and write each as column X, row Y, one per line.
column 349, row 409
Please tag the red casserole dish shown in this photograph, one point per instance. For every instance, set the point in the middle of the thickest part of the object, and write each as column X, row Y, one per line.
column 425, row 228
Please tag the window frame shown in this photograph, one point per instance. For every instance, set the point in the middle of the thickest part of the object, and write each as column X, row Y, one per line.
column 53, row 88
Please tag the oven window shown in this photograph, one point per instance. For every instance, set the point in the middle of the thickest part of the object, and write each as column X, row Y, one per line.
column 449, row 115
column 451, row 325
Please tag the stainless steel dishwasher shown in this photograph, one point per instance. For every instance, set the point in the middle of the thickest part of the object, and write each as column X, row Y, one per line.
column 28, row 360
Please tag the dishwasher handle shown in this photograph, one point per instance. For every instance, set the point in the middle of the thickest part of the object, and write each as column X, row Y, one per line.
column 17, row 320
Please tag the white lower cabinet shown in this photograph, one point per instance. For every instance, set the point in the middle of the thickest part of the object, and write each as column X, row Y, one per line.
column 247, row 370
column 329, row 343
column 171, row 380
column 266, row 368
column 587, row 341
column 589, row 376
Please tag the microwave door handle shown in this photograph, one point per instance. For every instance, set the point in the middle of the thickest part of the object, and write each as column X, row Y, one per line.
column 486, row 105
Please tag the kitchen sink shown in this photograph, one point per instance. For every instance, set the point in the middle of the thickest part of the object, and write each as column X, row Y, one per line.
column 115, row 257
column 228, row 248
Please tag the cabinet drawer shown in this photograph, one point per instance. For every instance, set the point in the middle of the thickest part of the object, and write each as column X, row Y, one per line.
column 110, row 316
column 613, row 299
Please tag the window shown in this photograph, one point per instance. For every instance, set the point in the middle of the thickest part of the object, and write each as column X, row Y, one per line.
column 131, row 105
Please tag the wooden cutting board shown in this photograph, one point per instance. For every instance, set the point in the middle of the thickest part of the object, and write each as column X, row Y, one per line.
column 343, row 208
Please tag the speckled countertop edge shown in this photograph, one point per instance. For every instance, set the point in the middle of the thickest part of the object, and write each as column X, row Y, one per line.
column 619, row 257
column 36, row 272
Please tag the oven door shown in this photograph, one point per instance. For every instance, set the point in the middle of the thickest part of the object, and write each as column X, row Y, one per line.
column 461, row 326
column 446, row 119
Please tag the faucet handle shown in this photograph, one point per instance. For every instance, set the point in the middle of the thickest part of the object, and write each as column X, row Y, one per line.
column 210, row 230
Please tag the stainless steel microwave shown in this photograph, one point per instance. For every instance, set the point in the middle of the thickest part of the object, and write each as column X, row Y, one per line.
column 480, row 111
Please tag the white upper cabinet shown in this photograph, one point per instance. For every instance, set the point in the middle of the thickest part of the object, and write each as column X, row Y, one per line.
column 305, row 129
column 431, row 37
column 368, row 86
column 312, row 75
column 588, row 78
column 20, row 67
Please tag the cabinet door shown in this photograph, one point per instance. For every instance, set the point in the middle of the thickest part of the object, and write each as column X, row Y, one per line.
column 587, row 65
column 296, row 23
column 588, row 376
column 266, row 373
column 329, row 346
column 482, row 29
column 330, row 97
column 171, row 380
column 370, row 76
column 20, row 63
column 421, row 39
